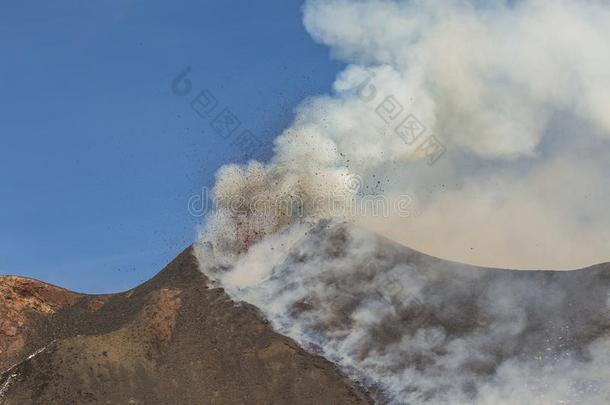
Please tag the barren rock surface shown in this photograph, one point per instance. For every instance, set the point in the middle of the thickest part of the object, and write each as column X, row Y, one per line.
column 23, row 302
column 171, row 340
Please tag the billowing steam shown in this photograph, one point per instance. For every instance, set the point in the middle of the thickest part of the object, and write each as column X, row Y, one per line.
column 470, row 130
column 518, row 94
column 419, row 330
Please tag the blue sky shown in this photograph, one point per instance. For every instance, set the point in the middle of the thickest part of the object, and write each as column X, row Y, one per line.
column 98, row 158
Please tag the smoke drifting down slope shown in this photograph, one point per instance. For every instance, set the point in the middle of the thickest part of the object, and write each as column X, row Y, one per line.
column 419, row 330
column 518, row 95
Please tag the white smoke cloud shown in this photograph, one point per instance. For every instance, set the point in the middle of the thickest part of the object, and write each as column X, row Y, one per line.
column 417, row 330
column 518, row 93
column 493, row 74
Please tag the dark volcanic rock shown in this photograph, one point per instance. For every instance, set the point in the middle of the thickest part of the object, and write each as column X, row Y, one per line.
column 171, row 340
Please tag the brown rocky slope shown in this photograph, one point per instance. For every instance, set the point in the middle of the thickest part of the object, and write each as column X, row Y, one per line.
column 169, row 341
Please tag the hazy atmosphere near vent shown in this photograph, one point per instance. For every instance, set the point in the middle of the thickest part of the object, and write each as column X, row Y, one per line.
column 395, row 202
column 517, row 108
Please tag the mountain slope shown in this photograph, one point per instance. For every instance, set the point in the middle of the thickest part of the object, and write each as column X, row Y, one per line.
column 23, row 303
column 169, row 341
column 415, row 329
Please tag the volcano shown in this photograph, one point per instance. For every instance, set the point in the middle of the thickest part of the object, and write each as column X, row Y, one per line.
column 346, row 317
column 172, row 340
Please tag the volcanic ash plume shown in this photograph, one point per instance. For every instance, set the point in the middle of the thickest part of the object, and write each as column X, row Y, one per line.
column 480, row 132
column 511, row 102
